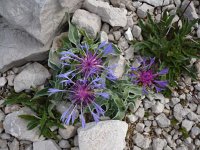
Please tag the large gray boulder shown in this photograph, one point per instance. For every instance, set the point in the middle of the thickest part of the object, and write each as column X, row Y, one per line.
column 32, row 76
column 112, row 15
column 105, row 135
column 17, row 47
column 39, row 18
column 17, row 127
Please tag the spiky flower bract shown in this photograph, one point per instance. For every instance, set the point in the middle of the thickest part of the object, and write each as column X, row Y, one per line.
column 146, row 76
column 83, row 94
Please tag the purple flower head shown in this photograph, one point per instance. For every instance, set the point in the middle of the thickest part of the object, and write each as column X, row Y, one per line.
column 145, row 76
column 83, row 95
column 88, row 62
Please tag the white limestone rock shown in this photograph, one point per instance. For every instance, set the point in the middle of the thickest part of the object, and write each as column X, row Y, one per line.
column 67, row 132
column 88, row 21
column 41, row 19
column 156, row 3
column 71, row 5
column 32, row 76
column 103, row 37
column 163, row 121
column 190, row 12
column 128, row 35
column 18, row 47
column 129, row 53
column 46, row 145
column 17, row 127
column 117, row 64
column 178, row 112
column 159, row 144
column 198, row 32
column 113, row 16
column 3, row 81
column 136, row 31
column 187, row 124
column 105, row 135
column 144, row 9
column 158, row 108
column 141, row 141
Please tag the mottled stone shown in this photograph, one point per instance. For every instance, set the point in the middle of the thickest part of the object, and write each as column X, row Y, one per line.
column 17, row 127
column 18, row 47
column 32, row 76
column 67, row 132
column 105, row 135
column 88, row 21
column 163, row 121
column 34, row 16
column 46, row 145
column 113, row 16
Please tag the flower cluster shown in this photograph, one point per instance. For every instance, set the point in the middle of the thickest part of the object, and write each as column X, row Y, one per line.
column 145, row 76
column 85, row 80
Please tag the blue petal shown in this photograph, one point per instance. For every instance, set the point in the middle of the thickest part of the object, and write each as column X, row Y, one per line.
column 98, row 109
column 65, row 75
column 82, row 120
column 158, row 89
column 144, row 91
column 102, row 45
column 164, row 71
column 96, row 117
column 108, row 50
column 161, row 83
column 53, row 91
column 152, row 60
column 104, row 95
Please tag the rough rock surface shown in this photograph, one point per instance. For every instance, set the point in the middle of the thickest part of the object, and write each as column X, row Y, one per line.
column 190, row 12
column 144, row 9
column 117, row 64
column 46, row 145
column 17, row 127
column 156, row 3
column 105, row 135
column 88, row 21
column 71, row 5
column 141, row 141
column 18, row 47
column 40, row 19
column 67, row 132
column 32, row 76
column 113, row 16
column 163, row 121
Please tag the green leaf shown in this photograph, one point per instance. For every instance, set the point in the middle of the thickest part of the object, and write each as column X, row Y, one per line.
column 53, row 61
column 43, row 92
column 29, row 117
column 73, row 34
column 32, row 124
column 43, row 122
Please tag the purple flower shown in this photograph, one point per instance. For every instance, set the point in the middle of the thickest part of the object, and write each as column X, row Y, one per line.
column 88, row 62
column 83, row 95
column 145, row 76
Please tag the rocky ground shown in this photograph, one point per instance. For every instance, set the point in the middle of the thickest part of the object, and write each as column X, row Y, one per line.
column 158, row 123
